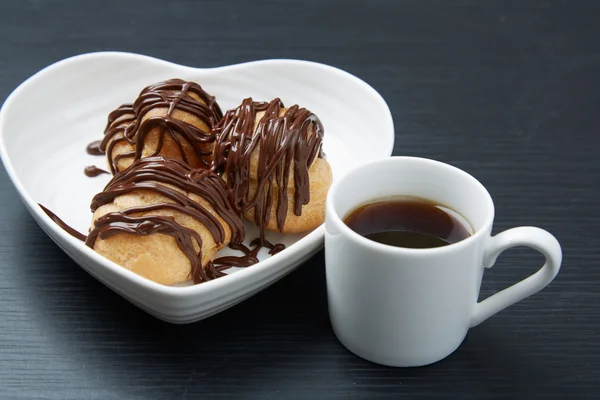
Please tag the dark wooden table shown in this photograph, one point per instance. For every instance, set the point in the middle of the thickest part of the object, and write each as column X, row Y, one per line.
column 507, row 90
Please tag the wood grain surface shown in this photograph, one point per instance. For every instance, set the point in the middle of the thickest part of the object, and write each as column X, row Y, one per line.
column 507, row 90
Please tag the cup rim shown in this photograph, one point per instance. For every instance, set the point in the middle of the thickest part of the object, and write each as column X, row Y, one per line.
column 333, row 216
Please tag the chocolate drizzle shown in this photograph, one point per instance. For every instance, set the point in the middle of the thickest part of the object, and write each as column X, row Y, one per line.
column 125, row 124
column 93, row 171
column 171, row 179
column 287, row 143
column 94, row 148
column 63, row 225
column 249, row 257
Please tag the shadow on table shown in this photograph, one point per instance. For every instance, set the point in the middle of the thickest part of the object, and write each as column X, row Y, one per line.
column 277, row 343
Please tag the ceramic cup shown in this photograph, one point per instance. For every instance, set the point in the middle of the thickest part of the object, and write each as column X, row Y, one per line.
column 411, row 307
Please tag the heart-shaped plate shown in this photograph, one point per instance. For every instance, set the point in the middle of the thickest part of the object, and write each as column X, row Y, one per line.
column 46, row 123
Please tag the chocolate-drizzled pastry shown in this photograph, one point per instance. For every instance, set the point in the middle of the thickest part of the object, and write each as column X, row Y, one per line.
column 272, row 160
column 173, row 118
column 165, row 221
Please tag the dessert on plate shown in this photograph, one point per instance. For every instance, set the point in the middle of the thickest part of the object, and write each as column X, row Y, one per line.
column 186, row 176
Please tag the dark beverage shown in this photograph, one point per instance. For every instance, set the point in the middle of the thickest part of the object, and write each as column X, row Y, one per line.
column 410, row 222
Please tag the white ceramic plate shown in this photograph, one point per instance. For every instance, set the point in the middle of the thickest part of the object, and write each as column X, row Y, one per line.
column 46, row 123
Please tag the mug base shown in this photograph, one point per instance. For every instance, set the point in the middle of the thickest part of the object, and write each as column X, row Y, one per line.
column 392, row 361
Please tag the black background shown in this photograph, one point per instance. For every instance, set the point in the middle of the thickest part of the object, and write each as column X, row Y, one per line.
column 507, row 90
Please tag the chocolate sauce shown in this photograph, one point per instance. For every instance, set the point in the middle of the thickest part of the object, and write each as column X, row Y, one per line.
column 93, row 171
column 172, row 179
column 63, row 225
column 126, row 124
column 94, row 148
column 287, row 143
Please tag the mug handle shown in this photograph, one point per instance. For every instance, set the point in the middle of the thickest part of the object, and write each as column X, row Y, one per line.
column 536, row 238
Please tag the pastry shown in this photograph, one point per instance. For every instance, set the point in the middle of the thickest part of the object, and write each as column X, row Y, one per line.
column 165, row 221
column 173, row 119
column 272, row 160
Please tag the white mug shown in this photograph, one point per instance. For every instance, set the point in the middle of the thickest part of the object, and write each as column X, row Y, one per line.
column 411, row 307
